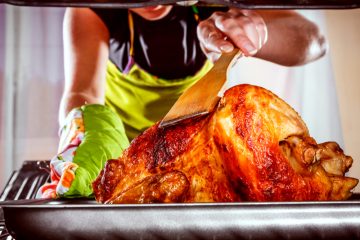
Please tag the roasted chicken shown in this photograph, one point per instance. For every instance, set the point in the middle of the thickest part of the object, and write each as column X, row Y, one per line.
column 254, row 147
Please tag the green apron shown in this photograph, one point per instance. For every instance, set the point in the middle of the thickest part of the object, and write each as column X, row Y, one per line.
column 142, row 99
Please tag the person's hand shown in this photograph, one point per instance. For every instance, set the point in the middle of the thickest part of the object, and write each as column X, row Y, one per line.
column 244, row 29
column 91, row 135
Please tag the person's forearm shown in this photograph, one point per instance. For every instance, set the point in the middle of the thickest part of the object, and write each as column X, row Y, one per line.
column 73, row 100
column 86, row 51
column 283, row 37
column 292, row 39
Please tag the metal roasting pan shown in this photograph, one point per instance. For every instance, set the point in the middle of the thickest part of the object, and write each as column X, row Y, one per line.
column 246, row 4
column 86, row 219
column 28, row 218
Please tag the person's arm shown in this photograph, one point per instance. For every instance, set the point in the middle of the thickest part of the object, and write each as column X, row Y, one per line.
column 91, row 133
column 86, row 50
column 283, row 37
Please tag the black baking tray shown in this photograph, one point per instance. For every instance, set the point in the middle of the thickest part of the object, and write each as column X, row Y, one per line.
column 86, row 219
column 246, row 4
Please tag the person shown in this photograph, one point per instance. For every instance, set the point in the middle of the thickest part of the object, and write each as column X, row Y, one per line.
column 136, row 62
column 168, row 44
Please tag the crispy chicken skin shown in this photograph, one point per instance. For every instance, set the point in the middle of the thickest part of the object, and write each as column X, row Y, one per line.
column 254, row 147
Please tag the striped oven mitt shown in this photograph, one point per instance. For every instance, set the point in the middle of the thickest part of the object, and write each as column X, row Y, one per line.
column 92, row 135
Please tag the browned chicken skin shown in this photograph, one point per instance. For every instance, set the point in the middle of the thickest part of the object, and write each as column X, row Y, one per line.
column 254, row 147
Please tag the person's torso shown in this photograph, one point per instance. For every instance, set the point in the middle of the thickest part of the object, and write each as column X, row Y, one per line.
column 167, row 48
column 147, row 75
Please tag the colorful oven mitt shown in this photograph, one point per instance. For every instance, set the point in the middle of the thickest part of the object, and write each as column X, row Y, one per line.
column 92, row 135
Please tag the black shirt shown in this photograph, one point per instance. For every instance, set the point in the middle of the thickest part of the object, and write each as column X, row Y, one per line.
column 167, row 48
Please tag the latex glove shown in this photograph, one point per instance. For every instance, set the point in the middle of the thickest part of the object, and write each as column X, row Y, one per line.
column 222, row 31
column 92, row 135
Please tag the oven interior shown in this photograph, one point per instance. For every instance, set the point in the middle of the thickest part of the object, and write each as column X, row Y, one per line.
column 23, row 183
